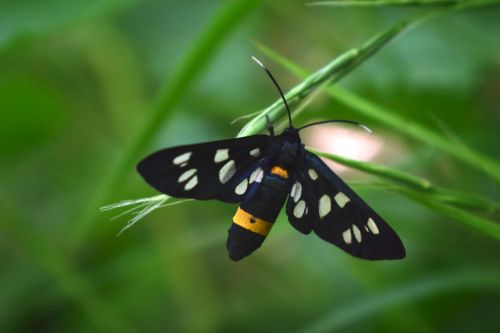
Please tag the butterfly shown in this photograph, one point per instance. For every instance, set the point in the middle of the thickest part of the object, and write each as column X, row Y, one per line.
column 263, row 173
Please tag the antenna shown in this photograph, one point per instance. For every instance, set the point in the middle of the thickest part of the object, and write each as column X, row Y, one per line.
column 338, row 121
column 277, row 86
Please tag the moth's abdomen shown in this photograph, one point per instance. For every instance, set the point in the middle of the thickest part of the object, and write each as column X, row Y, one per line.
column 257, row 213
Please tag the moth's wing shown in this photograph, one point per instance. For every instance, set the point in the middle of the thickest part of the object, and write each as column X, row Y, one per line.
column 302, row 202
column 339, row 216
column 212, row 170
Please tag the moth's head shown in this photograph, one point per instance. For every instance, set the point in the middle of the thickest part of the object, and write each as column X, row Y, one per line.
column 291, row 134
column 290, row 147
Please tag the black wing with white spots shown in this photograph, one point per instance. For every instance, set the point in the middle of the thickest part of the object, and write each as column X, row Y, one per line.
column 302, row 202
column 339, row 216
column 222, row 170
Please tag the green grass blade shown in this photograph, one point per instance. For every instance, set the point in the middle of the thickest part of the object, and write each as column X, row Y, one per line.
column 397, row 123
column 485, row 225
column 340, row 318
column 376, row 3
column 378, row 170
column 421, row 190
column 415, row 131
column 455, row 4
column 443, row 195
column 465, row 200
column 332, row 72
column 171, row 92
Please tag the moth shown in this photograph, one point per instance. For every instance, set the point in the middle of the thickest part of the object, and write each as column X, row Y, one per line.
column 261, row 173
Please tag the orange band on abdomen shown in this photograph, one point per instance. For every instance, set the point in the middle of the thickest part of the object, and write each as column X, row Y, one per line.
column 252, row 223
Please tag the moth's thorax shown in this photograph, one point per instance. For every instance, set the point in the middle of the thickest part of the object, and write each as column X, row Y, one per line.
column 288, row 147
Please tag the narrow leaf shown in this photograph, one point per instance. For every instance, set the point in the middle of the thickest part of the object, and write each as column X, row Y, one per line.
column 332, row 72
column 171, row 92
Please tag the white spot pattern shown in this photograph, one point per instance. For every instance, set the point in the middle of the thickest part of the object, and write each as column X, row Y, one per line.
column 357, row 233
column 255, row 152
column 324, row 206
column 191, row 183
column 260, row 175
column 221, row 155
column 186, row 175
column 242, row 187
column 182, row 158
column 298, row 192
column 227, row 171
column 299, row 209
column 341, row 199
column 347, row 236
column 313, row 174
column 254, row 174
column 372, row 226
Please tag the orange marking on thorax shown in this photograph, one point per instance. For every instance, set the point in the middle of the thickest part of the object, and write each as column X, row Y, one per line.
column 279, row 171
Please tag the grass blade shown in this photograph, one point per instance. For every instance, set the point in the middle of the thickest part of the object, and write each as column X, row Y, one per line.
column 330, row 73
column 171, row 92
column 455, row 4
column 378, row 170
column 421, row 190
column 486, row 226
column 397, row 123
column 376, row 3
column 340, row 318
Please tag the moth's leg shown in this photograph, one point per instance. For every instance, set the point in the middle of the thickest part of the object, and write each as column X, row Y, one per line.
column 269, row 125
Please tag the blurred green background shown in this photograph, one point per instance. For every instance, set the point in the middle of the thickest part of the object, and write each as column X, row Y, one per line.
column 80, row 80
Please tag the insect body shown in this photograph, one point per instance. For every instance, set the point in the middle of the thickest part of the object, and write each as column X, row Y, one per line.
column 262, row 172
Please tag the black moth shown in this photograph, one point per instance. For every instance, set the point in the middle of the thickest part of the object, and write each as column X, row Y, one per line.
column 261, row 172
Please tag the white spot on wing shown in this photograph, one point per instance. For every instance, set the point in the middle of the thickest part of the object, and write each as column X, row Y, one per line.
column 242, row 187
column 294, row 188
column 260, row 175
column 298, row 192
column 186, row 175
column 347, row 236
column 373, row 227
column 254, row 175
column 221, row 155
column 191, row 183
column 299, row 209
column 255, row 152
column 227, row 171
column 182, row 158
column 313, row 174
column 357, row 233
column 325, row 206
column 341, row 199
